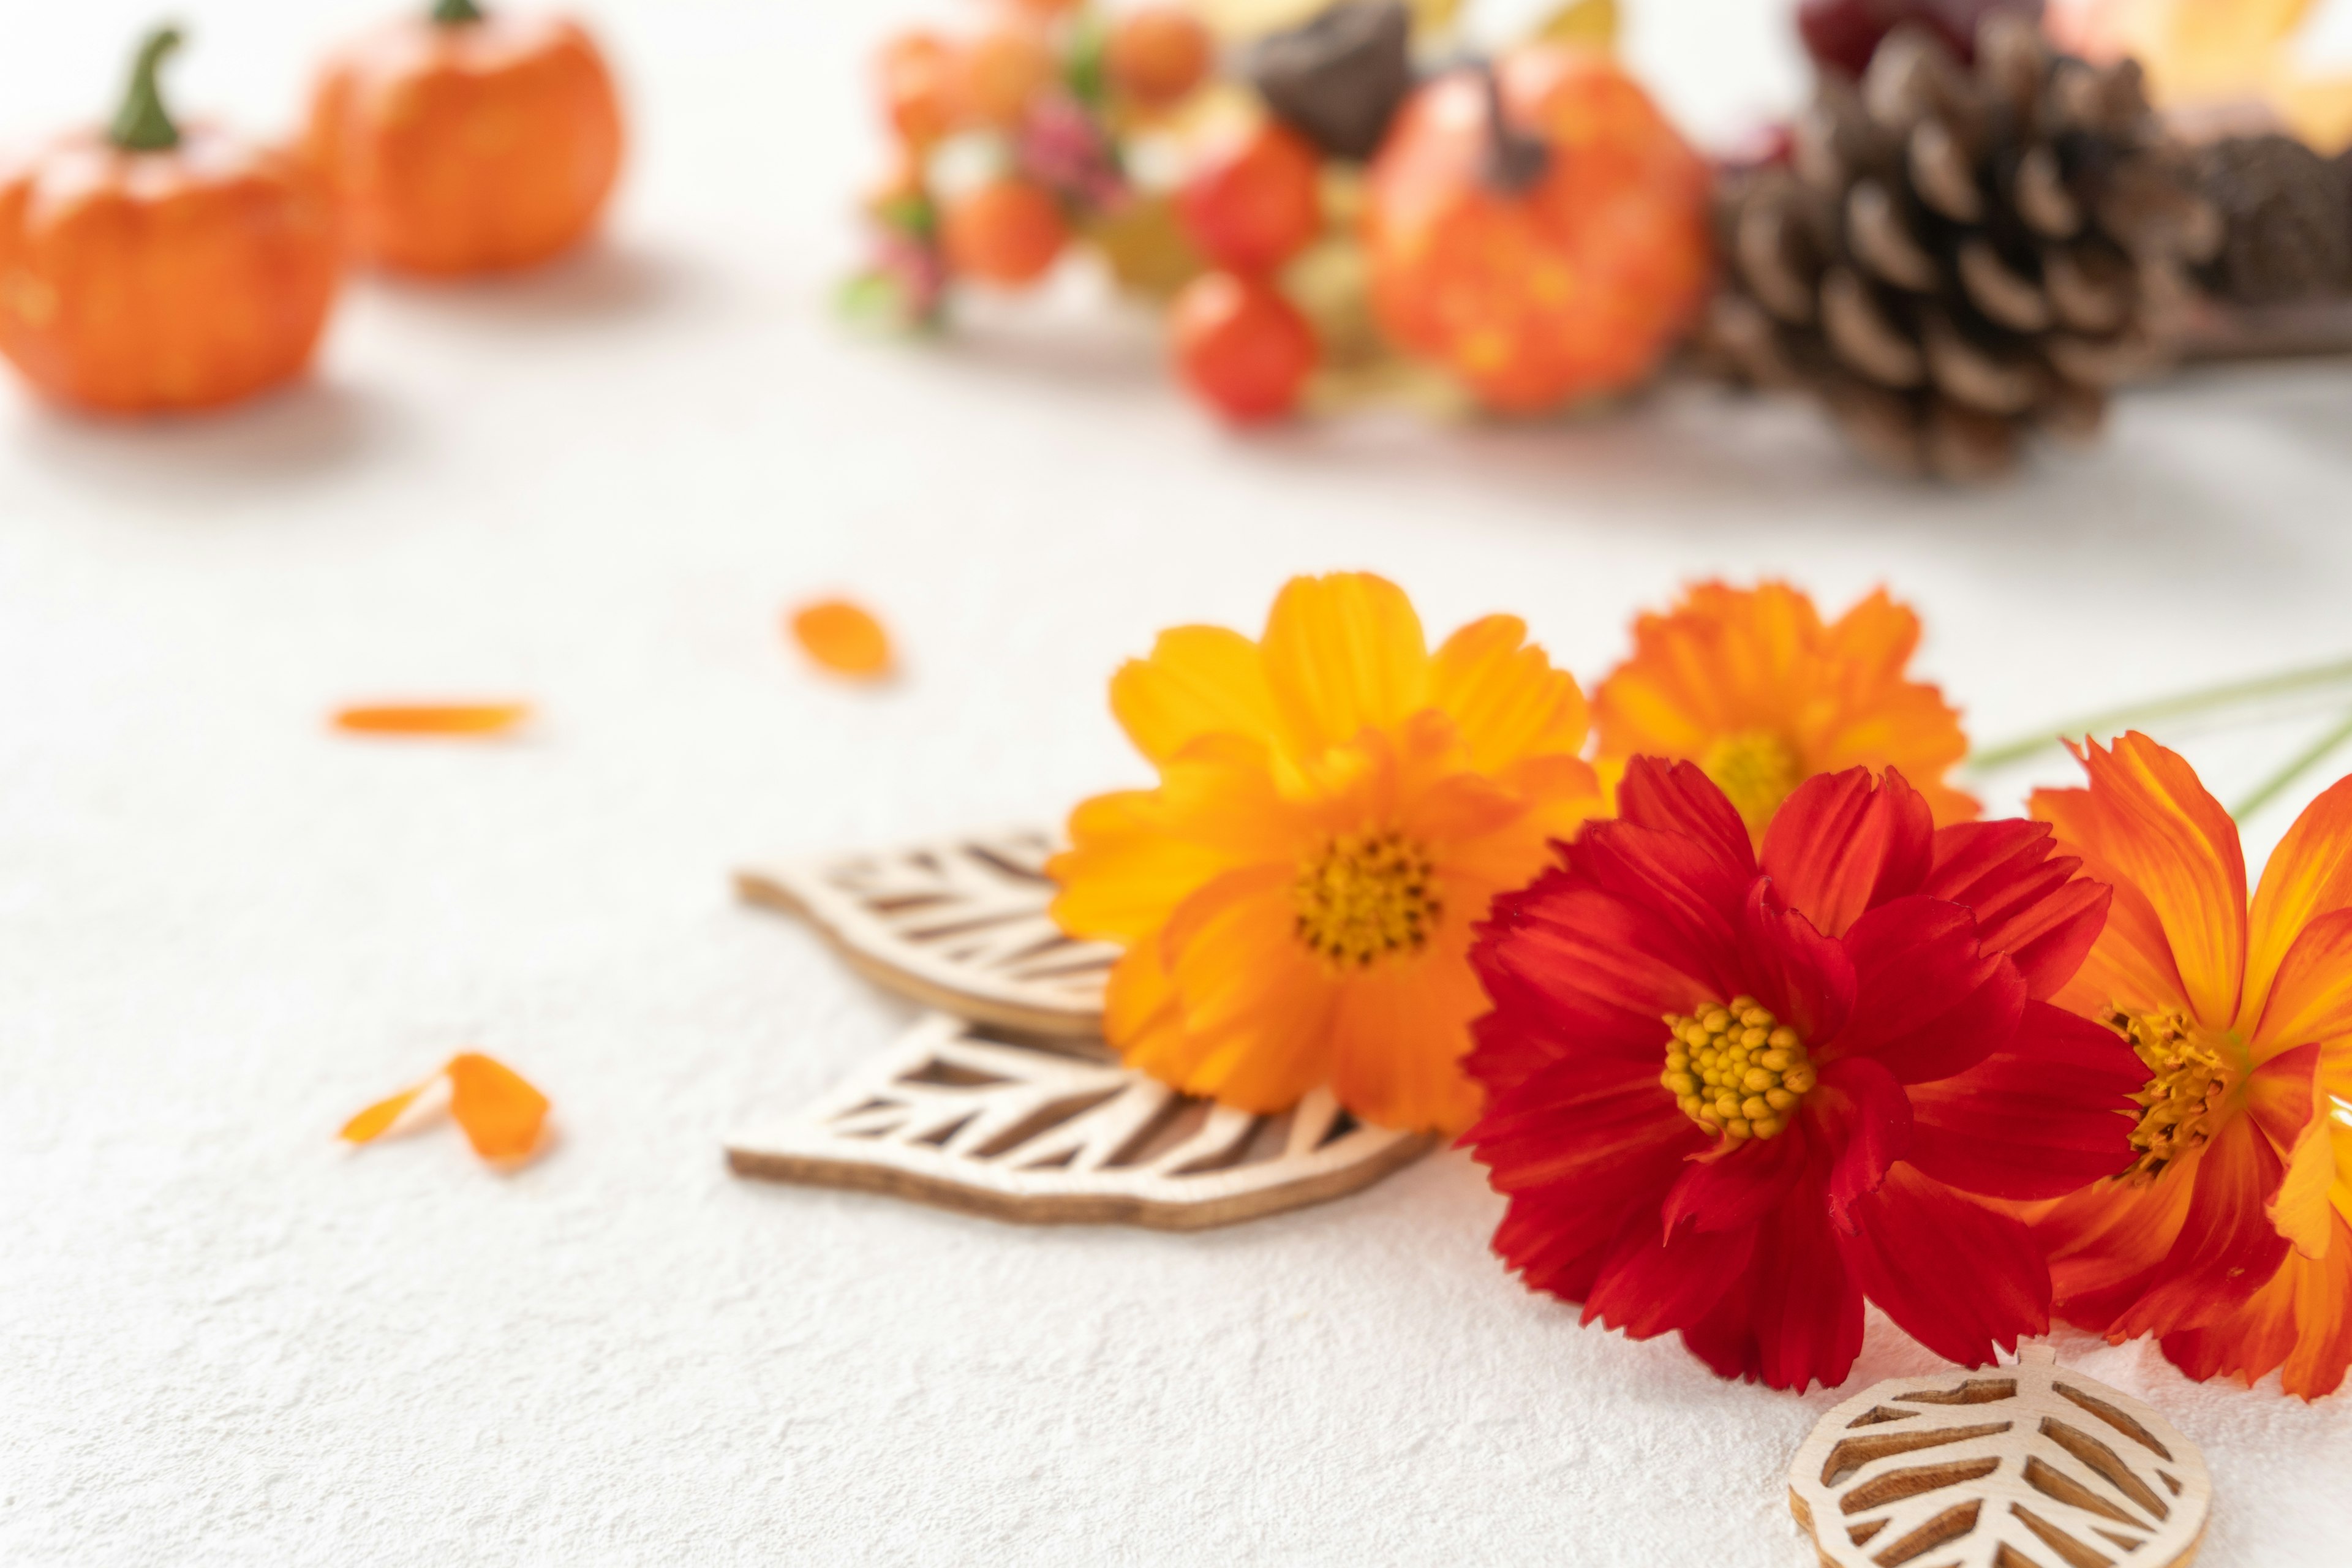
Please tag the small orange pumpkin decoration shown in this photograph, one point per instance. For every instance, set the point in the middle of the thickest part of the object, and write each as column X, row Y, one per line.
column 1539, row 227
column 143, row 268
column 459, row 142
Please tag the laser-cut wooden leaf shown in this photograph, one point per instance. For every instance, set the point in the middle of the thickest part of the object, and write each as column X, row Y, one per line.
column 1030, row 1132
column 958, row 924
column 2029, row 1466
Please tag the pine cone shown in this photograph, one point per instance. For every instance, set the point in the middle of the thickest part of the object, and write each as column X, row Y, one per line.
column 1958, row 258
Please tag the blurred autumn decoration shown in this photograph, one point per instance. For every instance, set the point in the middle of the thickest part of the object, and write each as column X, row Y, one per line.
column 461, row 142
column 147, row 268
column 1995, row 214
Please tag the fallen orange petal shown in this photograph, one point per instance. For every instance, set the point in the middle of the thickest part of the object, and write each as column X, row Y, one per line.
column 844, row 639
column 372, row 1123
column 501, row 1113
column 433, row 718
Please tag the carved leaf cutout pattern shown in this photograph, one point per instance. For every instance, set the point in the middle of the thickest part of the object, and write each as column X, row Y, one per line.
column 959, row 924
column 2029, row 1466
column 1025, row 1131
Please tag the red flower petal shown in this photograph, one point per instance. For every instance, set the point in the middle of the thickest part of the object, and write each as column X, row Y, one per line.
column 1572, row 970
column 1676, row 798
column 1649, row 1285
column 2029, row 901
column 2048, row 1112
column 1608, row 1128
column 2282, row 1095
column 1963, row 1281
column 1927, row 1003
column 1734, row 1185
column 1843, row 844
column 1804, row 978
column 2227, row 1248
column 1806, row 1307
column 1863, row 1122
column 1694, row 892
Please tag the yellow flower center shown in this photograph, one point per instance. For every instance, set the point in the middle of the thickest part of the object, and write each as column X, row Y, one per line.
column 1755, row 769
column 1366, row 897
column 2188, row 1078
column 1736, row 1070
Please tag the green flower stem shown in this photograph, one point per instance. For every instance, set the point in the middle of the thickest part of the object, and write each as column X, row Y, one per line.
column 2316, row 677
column 142, row 125
column 2280, row 782
column 455, row 12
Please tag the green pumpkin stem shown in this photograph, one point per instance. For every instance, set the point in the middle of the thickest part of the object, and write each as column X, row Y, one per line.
column 142, row 125
column 455, row 12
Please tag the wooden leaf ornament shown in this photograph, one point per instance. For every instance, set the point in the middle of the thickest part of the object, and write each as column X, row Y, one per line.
column 958, row 924
column 2029, row 1466
column 1032, row 1134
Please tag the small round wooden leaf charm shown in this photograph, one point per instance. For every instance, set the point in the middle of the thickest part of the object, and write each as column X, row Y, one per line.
column 2029, row 1466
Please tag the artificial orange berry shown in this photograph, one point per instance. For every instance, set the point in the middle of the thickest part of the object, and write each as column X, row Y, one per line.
column 1159, row 54
column 1242, row 349
column 917, row 74
column 1006, row 232
column 1001, row 71
column 1256, row 203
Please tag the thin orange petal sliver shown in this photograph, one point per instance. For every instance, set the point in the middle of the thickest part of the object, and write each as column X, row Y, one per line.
column 376, row 1120
column 844, row 639
column 500, row 1113
column 454, row 721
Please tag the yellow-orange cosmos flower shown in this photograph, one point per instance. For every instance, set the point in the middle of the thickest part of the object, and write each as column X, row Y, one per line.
column 2231, row 1236
column 1337, row 806
column 1751, row 685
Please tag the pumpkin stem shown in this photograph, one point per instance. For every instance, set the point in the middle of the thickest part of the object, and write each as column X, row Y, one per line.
column 455, row 12
column 142, row 125
column 1516, row 161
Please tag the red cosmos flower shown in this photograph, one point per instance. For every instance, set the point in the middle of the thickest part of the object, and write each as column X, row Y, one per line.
column 1732, row 1099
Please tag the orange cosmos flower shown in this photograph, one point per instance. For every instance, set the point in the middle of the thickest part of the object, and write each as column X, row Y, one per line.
column 2231, row 1235
column 1337, row 806
column 1751, row 685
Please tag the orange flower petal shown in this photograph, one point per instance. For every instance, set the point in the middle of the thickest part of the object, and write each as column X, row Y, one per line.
column 844, row 639
column 1342, row 654
column 1504, row 696
column 501, row 1114
column 376, row 1120
column 2300, row 1323
column 451, row 720
column 1392, row 1027
column 1750, row 683
column 2148, row 824
column 1199, row 680
column 2309, row 876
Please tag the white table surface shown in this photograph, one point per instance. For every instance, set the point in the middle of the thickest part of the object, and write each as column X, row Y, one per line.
column 221, row 929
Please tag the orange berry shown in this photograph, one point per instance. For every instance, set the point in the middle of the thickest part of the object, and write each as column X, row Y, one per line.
column 1044, row 10
column 1006, row 232
column 917, row 75
column 1001, row 71
column 1256, row 203
column 1242, row 349
column 1159, row 54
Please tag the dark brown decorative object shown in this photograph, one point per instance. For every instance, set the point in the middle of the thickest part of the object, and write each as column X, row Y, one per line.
column 2286, row 219
column 1337, row 79
column 1956, row 258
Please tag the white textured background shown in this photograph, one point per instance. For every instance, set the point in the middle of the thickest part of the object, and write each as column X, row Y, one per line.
column 221, row 929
